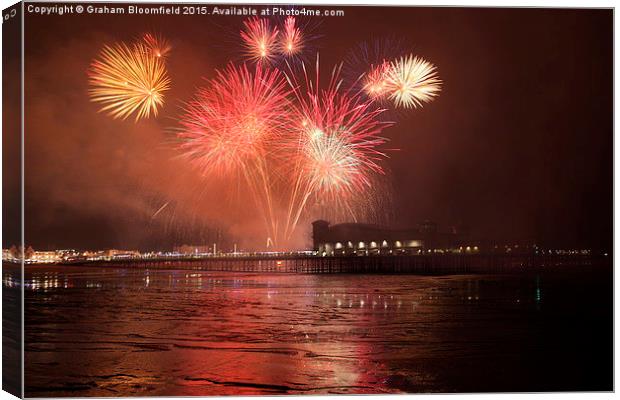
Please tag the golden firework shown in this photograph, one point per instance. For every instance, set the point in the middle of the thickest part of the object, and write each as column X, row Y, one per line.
column 128, row 80
column 411, row 81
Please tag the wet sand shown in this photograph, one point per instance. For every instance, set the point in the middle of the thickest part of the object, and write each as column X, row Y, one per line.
column 129, row 332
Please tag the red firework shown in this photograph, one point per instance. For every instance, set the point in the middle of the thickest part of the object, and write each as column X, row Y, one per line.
column 260, row 39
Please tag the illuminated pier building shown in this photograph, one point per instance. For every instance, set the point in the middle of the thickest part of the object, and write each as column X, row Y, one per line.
column 367, row 239
column 192, row 249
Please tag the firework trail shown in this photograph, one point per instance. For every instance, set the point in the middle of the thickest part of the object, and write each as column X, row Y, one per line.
column 158, row 45
column 411, row 81
column 260, row 40
column 233, row 126
column 128, row 80
column 336, row 147
column 159, row 210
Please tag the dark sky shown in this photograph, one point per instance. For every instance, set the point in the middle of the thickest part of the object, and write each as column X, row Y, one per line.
column 518, row 146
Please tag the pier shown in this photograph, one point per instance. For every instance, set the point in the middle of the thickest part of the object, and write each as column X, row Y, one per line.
column 379, row 264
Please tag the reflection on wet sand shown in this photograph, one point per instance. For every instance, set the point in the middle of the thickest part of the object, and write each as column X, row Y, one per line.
column 107, row 332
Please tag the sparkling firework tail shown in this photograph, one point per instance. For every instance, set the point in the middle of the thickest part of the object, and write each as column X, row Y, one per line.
column 259, row 180
column 128, row 80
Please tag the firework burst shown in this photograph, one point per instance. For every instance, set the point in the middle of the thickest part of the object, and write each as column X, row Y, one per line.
column 233, row 120
column 365, row 64
column 411, row 81
column 332, row 162
column 292, row 40
column 374, row 81
column 233, row 126
column 339, row 144
column 260, row 40
column 337, row 147
column 128, row 80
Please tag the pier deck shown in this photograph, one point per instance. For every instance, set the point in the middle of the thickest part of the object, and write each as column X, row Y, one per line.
column 388, row 264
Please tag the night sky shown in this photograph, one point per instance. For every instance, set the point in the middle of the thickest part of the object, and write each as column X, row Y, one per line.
column 518, row 146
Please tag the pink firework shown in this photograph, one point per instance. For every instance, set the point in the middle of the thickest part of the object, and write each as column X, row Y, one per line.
column 337, row 147
column 260, row 39
column 233, row 121
column 292, row 39
column 374, row 81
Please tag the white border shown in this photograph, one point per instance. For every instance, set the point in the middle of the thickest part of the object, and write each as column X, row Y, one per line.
column 480, row 3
